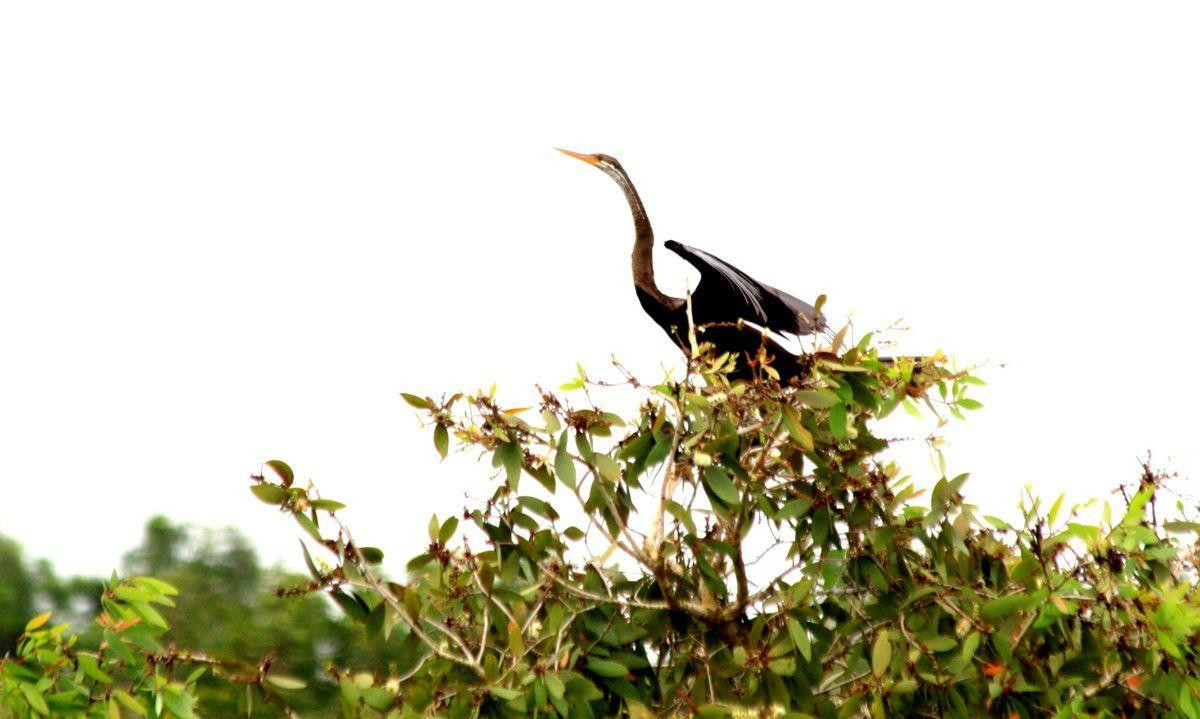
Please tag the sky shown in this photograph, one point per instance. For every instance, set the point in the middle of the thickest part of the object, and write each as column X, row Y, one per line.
column 231, row 232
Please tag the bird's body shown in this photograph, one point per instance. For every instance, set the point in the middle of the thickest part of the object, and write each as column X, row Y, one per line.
column 729, row 308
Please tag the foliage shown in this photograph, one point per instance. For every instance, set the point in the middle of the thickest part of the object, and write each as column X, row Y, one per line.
column 726, row 549
column 228, row 609
column 747, row 549
column 28, row 588
column 16, row 594
column 128, row 673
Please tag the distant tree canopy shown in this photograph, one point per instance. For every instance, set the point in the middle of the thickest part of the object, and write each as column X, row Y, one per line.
column 16, row 594
column 227, row 609
column 27, row 588
column 726, row 549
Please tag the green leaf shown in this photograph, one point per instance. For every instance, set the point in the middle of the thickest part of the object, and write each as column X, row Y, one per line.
column 129, row 702
column 881, row 654
column 378, row 698
column 34, row 697
column 37, row 621
column 441, row 440
column 282, row 469
column 309, row 526
column 516, row 642
column 1002, row 607
column 509, row 455
column 91, row 667
column 353, row 608
column 148, row 614
column 714, row 711
column 156, row 585
column 447, row 531
column 371, row 555
column 679, row 512
column 820, row 527
column 969, row 646
column 817, row 399
column 415, row 401
column 132, row 594
column 1181, row 527
column 1137, row 506
column 564, row 465
column 537, row 506
column 837, row 421
column 584, row 447
column 1164, row 640
column 794, row 509
column 179, row 703
column 285, row 682
column 800, row 638
column 269, row 493
column 606, row 668
column 797, row 430
column 308, row 561
column 717, row 481
column 940, row 643
column 505, row 693
column 1054, row 509
column 609, row 468
column 555, row 685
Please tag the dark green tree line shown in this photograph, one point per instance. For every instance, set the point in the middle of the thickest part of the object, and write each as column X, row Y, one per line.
column 228, row 607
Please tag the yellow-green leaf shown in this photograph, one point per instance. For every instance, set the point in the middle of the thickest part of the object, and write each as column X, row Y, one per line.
column 881, row 654
column 37, row 621
column 606, row 668
column 441, row 440
column 283, row 470
column 796, row 430
column 286, row 682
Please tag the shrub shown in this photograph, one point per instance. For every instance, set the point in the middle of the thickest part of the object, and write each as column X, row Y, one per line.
column 724, row 549
column 746, row 549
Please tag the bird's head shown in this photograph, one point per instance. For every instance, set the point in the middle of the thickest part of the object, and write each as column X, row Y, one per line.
column 605, row 163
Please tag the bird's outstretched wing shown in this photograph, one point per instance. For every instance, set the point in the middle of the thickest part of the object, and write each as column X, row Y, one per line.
column 726, row 294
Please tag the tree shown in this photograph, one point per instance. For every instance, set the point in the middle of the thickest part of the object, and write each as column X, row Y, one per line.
column 16, row 594
column 726, row 549
column 259, row 651
column 27, row 588
column 746, row 549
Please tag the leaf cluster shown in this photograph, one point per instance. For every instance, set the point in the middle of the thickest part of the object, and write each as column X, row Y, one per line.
column 746, row 549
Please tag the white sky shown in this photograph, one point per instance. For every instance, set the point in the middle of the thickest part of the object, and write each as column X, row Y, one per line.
column 234, row 231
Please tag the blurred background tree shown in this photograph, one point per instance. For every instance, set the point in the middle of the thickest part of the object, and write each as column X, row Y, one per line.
column 17, row 594
column 229, row 606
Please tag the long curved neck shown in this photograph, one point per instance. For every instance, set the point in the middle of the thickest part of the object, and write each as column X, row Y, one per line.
column 643, row 242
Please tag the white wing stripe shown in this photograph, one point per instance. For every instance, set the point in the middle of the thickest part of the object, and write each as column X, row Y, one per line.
column 747, row 290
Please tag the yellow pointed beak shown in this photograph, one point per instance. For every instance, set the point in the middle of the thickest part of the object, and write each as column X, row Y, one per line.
column 589, row 159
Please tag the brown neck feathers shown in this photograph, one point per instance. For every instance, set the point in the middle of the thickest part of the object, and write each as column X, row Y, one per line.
column 643, row 243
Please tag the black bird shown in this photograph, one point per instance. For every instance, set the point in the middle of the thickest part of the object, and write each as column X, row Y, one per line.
column 729, row 308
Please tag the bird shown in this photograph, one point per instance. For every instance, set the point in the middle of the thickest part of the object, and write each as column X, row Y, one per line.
column 733, row 311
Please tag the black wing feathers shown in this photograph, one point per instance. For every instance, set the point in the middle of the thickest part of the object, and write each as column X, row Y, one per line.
column 726, row 294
